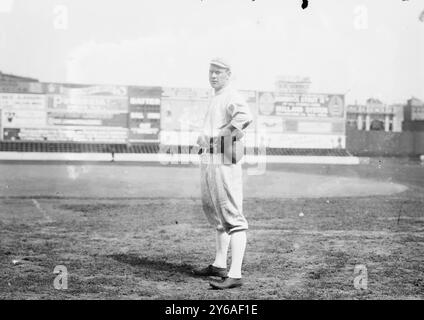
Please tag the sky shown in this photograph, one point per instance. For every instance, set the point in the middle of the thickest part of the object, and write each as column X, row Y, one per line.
column 367, row 48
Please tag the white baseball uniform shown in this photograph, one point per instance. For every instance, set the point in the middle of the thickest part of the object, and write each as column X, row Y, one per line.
column 221, row 183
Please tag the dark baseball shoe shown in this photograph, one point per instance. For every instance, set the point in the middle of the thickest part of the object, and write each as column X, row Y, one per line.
column 228, row 283
column 211, row 271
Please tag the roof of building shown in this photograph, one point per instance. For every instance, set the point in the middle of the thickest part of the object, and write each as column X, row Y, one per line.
column 5, row 76
column 374, row 100
column 415, row 102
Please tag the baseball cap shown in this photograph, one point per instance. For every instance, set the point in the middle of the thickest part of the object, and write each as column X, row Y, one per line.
column 221, row 62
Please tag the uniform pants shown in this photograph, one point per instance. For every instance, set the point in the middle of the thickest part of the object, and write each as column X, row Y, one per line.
column 222, row 193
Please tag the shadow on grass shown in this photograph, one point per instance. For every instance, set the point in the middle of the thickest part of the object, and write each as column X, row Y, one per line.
column 154, row 265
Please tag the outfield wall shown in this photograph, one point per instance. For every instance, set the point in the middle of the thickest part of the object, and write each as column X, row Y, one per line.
column 61, row 112
column 380, row 143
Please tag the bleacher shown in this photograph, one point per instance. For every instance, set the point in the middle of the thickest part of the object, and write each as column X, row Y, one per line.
column 146, row 148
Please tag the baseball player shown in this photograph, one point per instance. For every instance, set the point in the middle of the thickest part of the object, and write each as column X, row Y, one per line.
column 221, row 175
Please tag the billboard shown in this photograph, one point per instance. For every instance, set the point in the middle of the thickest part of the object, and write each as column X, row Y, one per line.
column 144, row 113
column 183, row 111
column 71, row 134
column 82, row 113
column 23, row 118
column 301, row 120
column 292, row 84
column 23, row 110
column 20, row 87
column 69, row 89
column 87, row 110
column 85, row 113
column 15, row 101
column 250, row 97
column 270, row 124
column 303, row 141
column 309, row 106
column 169, row 115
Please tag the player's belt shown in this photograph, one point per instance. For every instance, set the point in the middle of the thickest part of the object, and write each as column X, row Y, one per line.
column 231, row 153
column 213, row 145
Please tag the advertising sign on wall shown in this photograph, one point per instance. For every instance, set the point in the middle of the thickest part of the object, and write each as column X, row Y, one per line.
column 251, row 99
column 292, row 84
column 67, row 113
column 23, row 118
column 23, row 110
column 144, row 114
column 82, row 110
column 287, row 140
column 64, row 133
column 14, row 101
column 266, row 103
column 286, row 117
column 84, row 89
column 183, row 111
column 307, row 105
column 270, row 124
column 310, row 106
column 85, row 113
column 187, row 93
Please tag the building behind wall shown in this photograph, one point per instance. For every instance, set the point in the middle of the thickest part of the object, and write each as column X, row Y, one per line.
column 12, row 78
column 375, row 116
column 414, row 123
column 404, row 138
column 414, row 115
column 10, row 83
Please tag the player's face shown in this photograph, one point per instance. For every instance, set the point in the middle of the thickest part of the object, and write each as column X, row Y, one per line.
column 218, row 77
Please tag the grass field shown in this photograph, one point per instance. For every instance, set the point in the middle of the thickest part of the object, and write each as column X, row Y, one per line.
column 144, row 245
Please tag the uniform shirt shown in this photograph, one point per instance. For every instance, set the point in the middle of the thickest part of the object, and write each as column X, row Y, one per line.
column 227, row 106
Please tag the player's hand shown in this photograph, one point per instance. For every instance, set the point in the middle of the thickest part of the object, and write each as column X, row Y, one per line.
column 224, row 132
column 231, row 131
column 203, row 141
